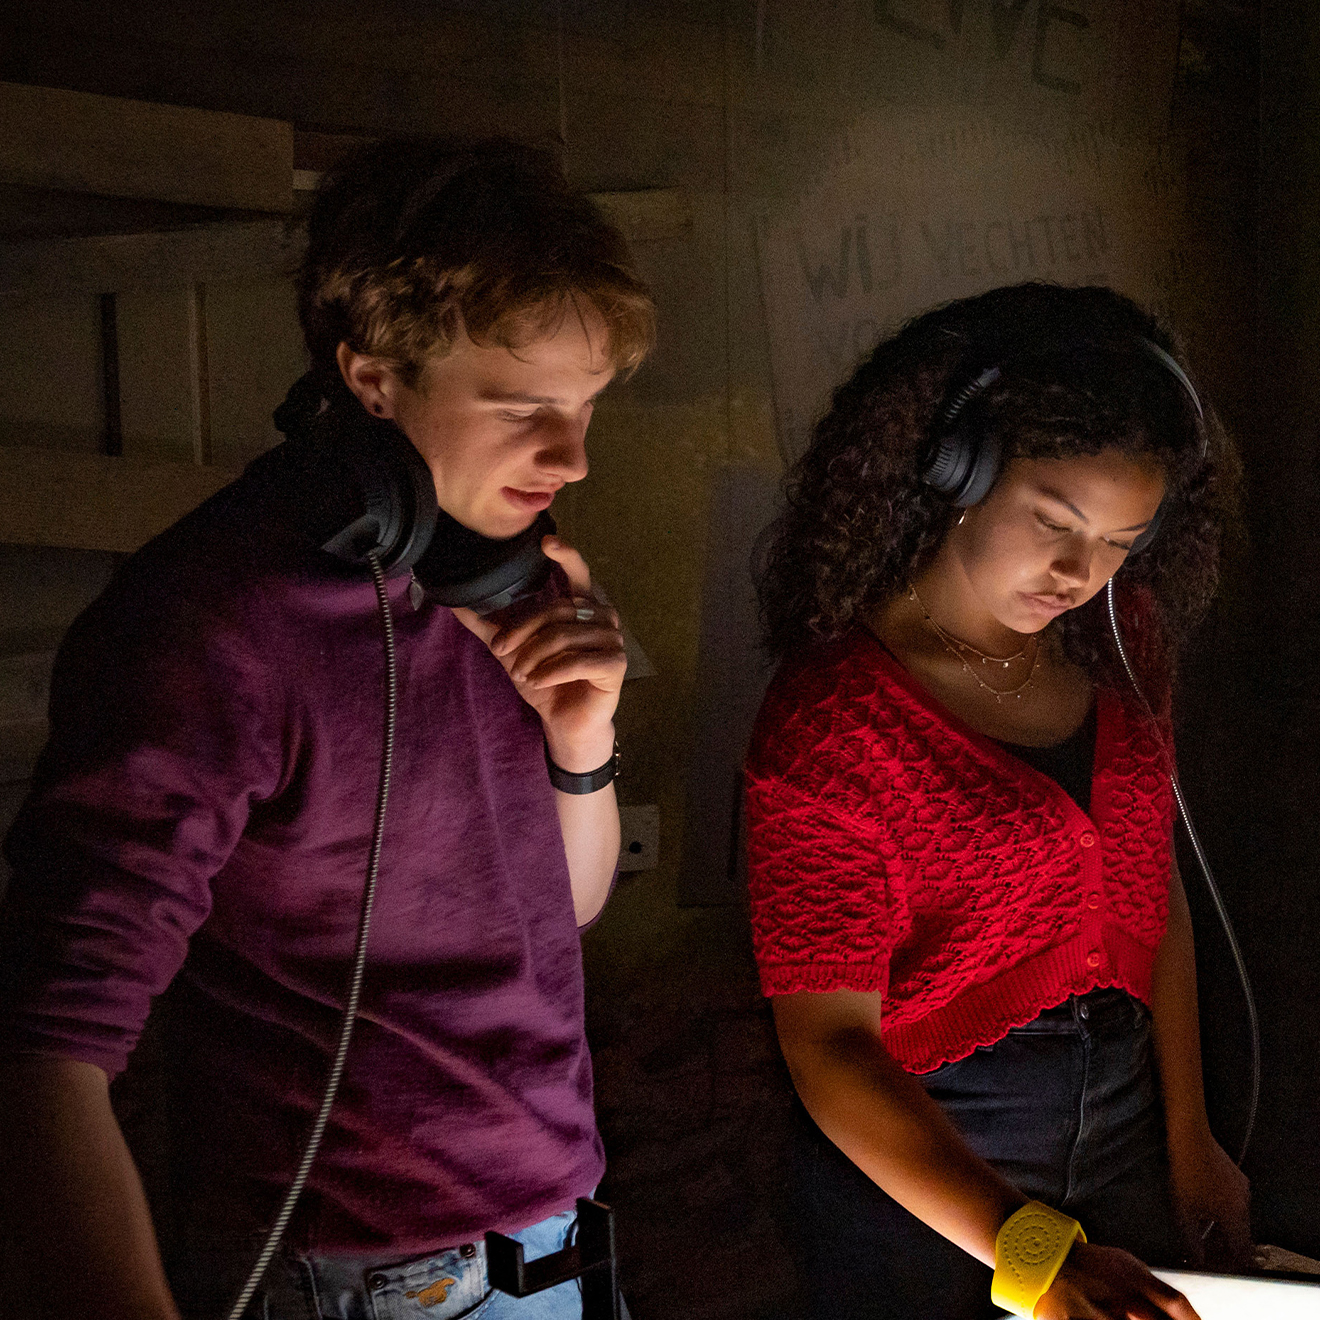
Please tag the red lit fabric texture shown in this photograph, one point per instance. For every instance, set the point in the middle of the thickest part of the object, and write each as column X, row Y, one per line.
column 893, row 849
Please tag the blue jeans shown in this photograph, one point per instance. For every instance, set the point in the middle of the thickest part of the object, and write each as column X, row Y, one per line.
column 446, row 1286
column 1066, row 1108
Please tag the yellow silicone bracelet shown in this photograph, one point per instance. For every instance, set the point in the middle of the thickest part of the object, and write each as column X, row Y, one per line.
column 1029, row 1250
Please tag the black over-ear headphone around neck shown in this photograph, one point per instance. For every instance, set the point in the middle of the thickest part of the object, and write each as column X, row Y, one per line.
column 357, row 485
column 963, row 458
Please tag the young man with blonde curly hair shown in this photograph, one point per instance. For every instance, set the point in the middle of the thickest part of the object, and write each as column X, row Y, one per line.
column 202, row 815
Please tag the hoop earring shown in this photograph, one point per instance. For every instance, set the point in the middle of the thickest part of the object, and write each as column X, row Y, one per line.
column 959, row 523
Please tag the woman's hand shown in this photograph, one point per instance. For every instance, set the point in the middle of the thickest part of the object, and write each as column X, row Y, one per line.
column 1208, row 1190
column 569, row 669
column 1212, row 1202
column 1104, row 1283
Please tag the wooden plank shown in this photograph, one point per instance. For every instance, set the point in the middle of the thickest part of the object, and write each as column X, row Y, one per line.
column 51, row 387
column 254, row 349
column 29, row 214
column 156, row 375
column 251, row 249
column 647, row 215
column 174, row 258
column 650, row 215
column 89, row 502
column 25, row 686
column 199, row 375
column 52, row 138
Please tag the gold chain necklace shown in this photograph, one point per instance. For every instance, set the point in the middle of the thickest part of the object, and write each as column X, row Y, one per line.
column 950, row 640
column 952, row 643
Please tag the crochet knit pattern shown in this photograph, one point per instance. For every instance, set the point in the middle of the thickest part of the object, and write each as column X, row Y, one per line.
column 893, row 849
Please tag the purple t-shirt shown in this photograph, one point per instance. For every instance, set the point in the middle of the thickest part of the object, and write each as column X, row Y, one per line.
column 204, row 808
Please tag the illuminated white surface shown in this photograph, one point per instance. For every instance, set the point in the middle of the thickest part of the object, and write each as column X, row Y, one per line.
column 1231, row 1297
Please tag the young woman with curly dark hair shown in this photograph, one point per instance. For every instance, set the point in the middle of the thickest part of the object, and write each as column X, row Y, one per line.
column 964, row 896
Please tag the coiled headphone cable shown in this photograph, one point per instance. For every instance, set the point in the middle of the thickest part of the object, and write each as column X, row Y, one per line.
column 359, row 955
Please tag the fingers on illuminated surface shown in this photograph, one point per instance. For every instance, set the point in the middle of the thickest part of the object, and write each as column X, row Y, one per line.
column 1234, row 1297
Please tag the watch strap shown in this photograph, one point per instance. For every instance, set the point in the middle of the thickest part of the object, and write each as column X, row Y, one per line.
column 591, row 782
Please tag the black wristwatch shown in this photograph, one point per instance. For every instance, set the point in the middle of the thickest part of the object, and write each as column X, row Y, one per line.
column 591, row 782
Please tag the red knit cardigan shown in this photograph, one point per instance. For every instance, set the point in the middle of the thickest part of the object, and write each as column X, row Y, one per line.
column 891, row 848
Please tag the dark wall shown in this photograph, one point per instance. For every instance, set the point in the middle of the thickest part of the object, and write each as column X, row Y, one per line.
column 1268, row 695
column 1248, row 101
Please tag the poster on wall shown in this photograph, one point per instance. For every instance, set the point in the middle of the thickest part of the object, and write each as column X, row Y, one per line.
column 893, row 155
column 1025, row 61
column 926, row 206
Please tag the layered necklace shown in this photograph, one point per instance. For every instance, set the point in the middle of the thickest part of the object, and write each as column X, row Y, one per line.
column 961, row 650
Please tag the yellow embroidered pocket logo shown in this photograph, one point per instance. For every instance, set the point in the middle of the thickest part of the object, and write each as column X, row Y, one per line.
column 434, row 1293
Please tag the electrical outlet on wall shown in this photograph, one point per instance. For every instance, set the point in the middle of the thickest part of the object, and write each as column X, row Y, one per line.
column 639, row 848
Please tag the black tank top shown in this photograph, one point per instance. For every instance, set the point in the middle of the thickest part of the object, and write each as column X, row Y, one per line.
column 1069, row 763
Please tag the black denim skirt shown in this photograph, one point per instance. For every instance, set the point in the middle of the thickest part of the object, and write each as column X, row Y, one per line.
column 1066, row 1108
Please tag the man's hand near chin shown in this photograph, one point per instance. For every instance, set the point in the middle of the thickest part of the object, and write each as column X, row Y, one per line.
column 567, row 662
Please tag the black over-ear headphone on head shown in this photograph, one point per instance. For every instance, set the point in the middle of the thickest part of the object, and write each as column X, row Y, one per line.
column 356, row 484
column 961, row 463
column 963, row 458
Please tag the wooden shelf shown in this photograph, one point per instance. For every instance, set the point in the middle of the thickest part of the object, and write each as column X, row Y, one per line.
column 89, row 502
column 248, row 249
column 111, row 147
column 650, row 215
column 162, row 259
column 105, row 196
